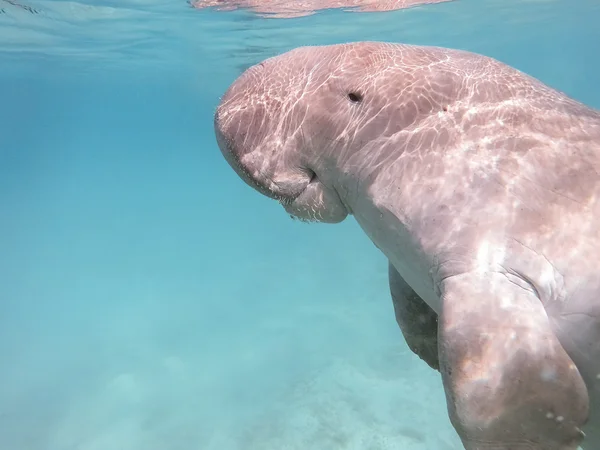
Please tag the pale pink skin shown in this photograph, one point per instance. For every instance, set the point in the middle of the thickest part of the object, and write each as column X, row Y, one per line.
column 481, row 186
column 285, row 9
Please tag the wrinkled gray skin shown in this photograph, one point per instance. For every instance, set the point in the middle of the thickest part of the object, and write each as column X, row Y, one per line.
column 481, row 186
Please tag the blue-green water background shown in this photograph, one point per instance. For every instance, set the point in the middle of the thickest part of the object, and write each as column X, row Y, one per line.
column 149, row 300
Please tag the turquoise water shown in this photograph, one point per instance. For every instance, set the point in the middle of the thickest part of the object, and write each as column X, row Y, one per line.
column 149, row 300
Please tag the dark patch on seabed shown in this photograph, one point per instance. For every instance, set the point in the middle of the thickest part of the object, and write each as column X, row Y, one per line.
column 27, row 8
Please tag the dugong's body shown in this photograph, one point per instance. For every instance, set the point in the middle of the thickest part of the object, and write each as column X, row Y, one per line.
column 481, row 185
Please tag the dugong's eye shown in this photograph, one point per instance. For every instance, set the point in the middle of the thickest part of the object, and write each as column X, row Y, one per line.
column 355, row 97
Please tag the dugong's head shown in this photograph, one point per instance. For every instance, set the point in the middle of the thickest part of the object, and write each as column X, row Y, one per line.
column 294, row 125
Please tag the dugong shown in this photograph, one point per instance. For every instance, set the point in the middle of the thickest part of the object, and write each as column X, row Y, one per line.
column 480, row 185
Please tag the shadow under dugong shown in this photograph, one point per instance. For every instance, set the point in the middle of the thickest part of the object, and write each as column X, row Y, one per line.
column 481, row 186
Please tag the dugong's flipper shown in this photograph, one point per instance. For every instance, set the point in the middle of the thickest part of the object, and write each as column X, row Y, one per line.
column 417, row 321
column 509, row 383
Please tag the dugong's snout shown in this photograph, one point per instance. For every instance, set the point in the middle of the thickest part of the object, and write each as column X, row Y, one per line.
column 233, row 155
column 262, row 131
column 244, row 140
column 247, row 132
column 297, row 188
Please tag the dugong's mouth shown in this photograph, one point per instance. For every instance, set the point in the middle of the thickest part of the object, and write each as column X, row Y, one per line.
column 316, row 203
